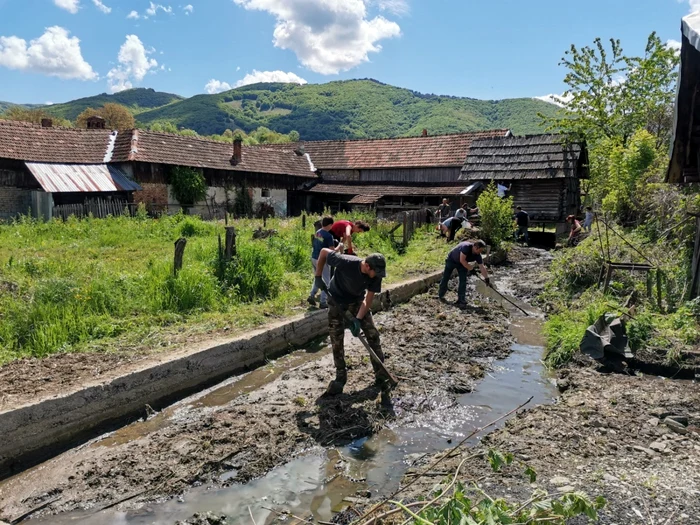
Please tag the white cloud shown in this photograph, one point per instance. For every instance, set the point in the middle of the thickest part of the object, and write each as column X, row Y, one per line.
column 98, row 3
column 270, row 76
column 134, row 64
column 48, row 103
column 216, row 86
column 673, row 44
column 54, row 53
column 557, row 100
column 328, row 36
column 134, row 15
column 71, row 6
column 151, row 11
column 238, row 68
column 188, row 9
column 694, row 5
column 397, row 7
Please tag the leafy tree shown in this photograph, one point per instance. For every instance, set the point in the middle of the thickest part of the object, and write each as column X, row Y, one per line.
column 496, row 216
column 34, row 116
column 611, row 95
column 115, row 115
column 188, row 185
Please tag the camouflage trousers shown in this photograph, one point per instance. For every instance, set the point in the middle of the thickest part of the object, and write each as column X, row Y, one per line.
column 336, row 325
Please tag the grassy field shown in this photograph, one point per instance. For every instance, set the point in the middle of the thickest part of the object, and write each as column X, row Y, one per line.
column 107, row 284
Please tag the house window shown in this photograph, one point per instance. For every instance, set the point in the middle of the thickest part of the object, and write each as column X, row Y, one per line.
column 265, row 192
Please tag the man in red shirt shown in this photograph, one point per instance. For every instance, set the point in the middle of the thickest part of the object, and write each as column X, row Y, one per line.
column 342, row 231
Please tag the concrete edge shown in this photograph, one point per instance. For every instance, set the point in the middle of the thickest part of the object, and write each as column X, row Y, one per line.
column 33, row 433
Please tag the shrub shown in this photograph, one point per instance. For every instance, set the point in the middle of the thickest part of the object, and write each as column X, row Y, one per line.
column 496, row 216
column 188, row 185
column 255, row 273
column 243, row 205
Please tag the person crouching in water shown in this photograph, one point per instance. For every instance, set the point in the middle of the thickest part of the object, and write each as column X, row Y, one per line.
column 464, row 257
column 322, row 239
column 352, row 289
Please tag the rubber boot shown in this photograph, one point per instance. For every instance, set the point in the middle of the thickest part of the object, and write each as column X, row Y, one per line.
column 336, row 386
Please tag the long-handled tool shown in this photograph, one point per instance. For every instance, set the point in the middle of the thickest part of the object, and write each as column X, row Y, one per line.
column 392, row 380
column 505, row 298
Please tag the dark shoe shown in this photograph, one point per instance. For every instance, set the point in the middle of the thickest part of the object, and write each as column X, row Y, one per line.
column 385, row 399
column 311, row 300
column 335, row 387
column 323, row 306
column 442, row 299
column 461, row 305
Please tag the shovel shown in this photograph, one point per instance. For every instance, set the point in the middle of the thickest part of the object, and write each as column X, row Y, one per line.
column 392, row 380
column 505, row 298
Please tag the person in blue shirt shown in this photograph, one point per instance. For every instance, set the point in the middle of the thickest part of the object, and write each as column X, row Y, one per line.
column 464, row 257
column 322, row 239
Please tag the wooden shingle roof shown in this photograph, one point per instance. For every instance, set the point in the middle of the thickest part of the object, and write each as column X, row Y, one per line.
column 381, row 190
column 405, row 152
column 529, row 157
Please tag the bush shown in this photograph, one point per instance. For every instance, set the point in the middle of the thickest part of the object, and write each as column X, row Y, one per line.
column 188, row 185
column 255, row 273
column 496, row 217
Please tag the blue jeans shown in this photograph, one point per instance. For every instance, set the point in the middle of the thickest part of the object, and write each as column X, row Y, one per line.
column 326, row 274
column 450, row 266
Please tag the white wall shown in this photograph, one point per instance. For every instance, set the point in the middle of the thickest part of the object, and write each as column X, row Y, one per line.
column 277, row 199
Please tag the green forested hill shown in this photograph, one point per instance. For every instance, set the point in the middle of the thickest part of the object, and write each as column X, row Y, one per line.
column 137, row 100
column 347, row 109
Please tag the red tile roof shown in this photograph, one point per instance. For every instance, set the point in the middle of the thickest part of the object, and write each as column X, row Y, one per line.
column 407, row 152
column 380, row 190
column 166, row 148
column 31, row 142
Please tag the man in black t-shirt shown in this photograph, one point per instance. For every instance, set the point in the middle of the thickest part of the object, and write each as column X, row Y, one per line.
column 352, row 289
column 459, row 259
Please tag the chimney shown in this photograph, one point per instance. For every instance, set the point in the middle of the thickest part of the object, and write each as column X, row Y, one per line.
column 425, row 132
column 46, row 123
column 237, row 144
column 95, row 122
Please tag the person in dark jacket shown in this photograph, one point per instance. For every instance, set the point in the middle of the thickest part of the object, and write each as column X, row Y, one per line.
column 522, row 221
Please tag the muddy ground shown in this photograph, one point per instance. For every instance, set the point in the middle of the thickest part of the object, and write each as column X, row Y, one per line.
column 605, row 436
column 429, row 346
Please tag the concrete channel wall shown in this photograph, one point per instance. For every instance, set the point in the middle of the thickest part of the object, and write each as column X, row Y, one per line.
column 33, row 433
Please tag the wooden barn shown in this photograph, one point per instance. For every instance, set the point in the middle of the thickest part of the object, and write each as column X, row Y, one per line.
column 684, row 166
column 390, row 175
column 543, row 172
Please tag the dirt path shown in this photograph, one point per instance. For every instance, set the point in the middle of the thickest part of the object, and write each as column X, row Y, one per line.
column 427, row 343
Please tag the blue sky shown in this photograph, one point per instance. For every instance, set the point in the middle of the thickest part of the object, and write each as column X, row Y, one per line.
column 58, row 50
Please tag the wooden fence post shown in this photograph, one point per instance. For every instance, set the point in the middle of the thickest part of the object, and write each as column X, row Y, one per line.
column 179, row 252
column 405, row 229
column 303, row 221
column 230, row 243
column 658, row 289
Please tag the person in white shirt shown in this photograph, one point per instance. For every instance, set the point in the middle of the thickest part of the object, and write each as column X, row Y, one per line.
column 501, row 189
column 588, row 220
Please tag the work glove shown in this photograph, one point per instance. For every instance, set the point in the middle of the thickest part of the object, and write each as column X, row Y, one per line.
column 320, row 283
column 355, row 327
column 487, row 281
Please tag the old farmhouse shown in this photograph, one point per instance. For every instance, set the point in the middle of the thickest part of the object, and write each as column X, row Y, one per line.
column 543, row 172
column 391, row 175
column 43, row 168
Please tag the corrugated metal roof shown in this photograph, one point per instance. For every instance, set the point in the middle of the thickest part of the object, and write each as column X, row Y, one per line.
column 68, row 178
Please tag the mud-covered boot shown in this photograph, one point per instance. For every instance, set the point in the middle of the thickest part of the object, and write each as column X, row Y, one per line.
column 336, row 386
column 385, row 398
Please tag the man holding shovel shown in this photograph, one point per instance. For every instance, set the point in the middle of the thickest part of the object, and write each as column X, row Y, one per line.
column 464, row 257
column 350, row 295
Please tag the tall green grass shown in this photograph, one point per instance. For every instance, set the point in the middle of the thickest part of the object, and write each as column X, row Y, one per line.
column 108, row 284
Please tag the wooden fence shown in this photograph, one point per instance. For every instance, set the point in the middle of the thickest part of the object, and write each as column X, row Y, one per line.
column 99, row 208
column 409, row 221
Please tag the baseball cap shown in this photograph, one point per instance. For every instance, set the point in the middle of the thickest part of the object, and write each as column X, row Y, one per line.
column 377, row 262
